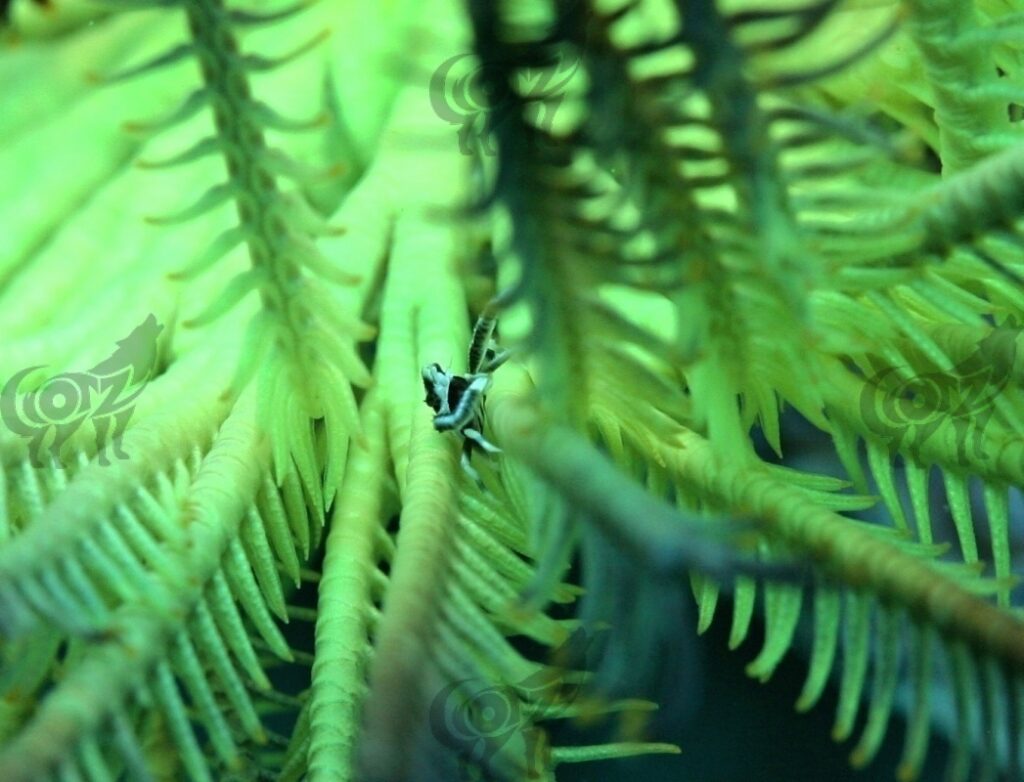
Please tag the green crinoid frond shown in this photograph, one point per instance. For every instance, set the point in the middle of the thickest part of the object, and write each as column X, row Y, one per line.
column 305, row 365
column 233, row 545
column 814, row 261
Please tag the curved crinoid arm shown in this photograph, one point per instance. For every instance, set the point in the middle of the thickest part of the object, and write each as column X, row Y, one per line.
column 882, row 576
column 167, row 552
column 700, row 213
column 809, row 263
column 658, row 180
column 301, row 319
column 660, row 538
column 155, row 586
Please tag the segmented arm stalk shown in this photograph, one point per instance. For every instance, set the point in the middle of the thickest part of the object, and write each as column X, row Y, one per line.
column 258, row 199
column 956, row 67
